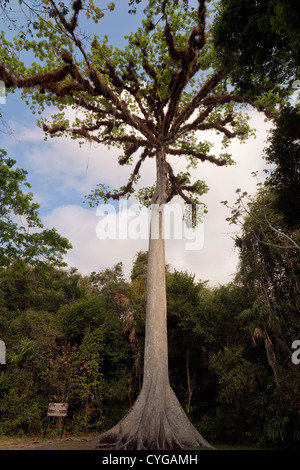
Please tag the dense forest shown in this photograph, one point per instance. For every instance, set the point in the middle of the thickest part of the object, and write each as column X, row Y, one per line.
column 79, row 339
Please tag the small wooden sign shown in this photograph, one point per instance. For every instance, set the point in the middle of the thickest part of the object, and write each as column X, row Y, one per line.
column 2, row 353
column 57, row 409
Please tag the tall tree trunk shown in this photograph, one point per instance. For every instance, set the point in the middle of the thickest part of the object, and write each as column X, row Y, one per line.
column 156, row 420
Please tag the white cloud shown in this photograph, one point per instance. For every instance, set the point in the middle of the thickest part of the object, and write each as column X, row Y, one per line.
column 213, row 262
column 90, row 253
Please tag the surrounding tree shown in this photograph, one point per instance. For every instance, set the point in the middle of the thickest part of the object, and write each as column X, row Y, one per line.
column 269, row 264
column 283, row 153
column 151, row 99
column 64, row 342
column 184, row 329
column 261, row 46
column 269, row 240
column 21, row 234
column 269, row 248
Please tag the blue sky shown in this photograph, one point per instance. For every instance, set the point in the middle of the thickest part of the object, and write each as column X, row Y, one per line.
column 61, row 174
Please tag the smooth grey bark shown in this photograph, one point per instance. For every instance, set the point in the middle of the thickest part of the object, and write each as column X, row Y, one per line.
column 156, row 420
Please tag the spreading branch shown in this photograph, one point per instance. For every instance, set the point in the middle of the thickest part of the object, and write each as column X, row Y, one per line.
column 119, row 101
column 187, row 60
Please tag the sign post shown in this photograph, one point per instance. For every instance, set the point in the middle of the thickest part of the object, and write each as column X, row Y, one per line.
column 2, row 352
column 59, row 410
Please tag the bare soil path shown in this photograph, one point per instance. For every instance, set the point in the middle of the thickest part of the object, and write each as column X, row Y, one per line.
column 10, row 443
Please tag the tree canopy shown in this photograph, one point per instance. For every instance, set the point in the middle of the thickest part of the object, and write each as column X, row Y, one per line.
column 159, row 91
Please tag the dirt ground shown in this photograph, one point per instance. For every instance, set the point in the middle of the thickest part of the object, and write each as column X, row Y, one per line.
column 7, row 443
column 39, row 443
column 72, row 443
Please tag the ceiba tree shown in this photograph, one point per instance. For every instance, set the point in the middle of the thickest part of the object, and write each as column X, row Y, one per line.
column 151, row 100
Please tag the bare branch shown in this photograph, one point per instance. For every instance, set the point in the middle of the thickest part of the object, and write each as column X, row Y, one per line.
column 172, row 135
column 218, row 100
column 43, row 78
column 200, row 156
column 128, row 187
column 178, row 189
column 198, row 100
